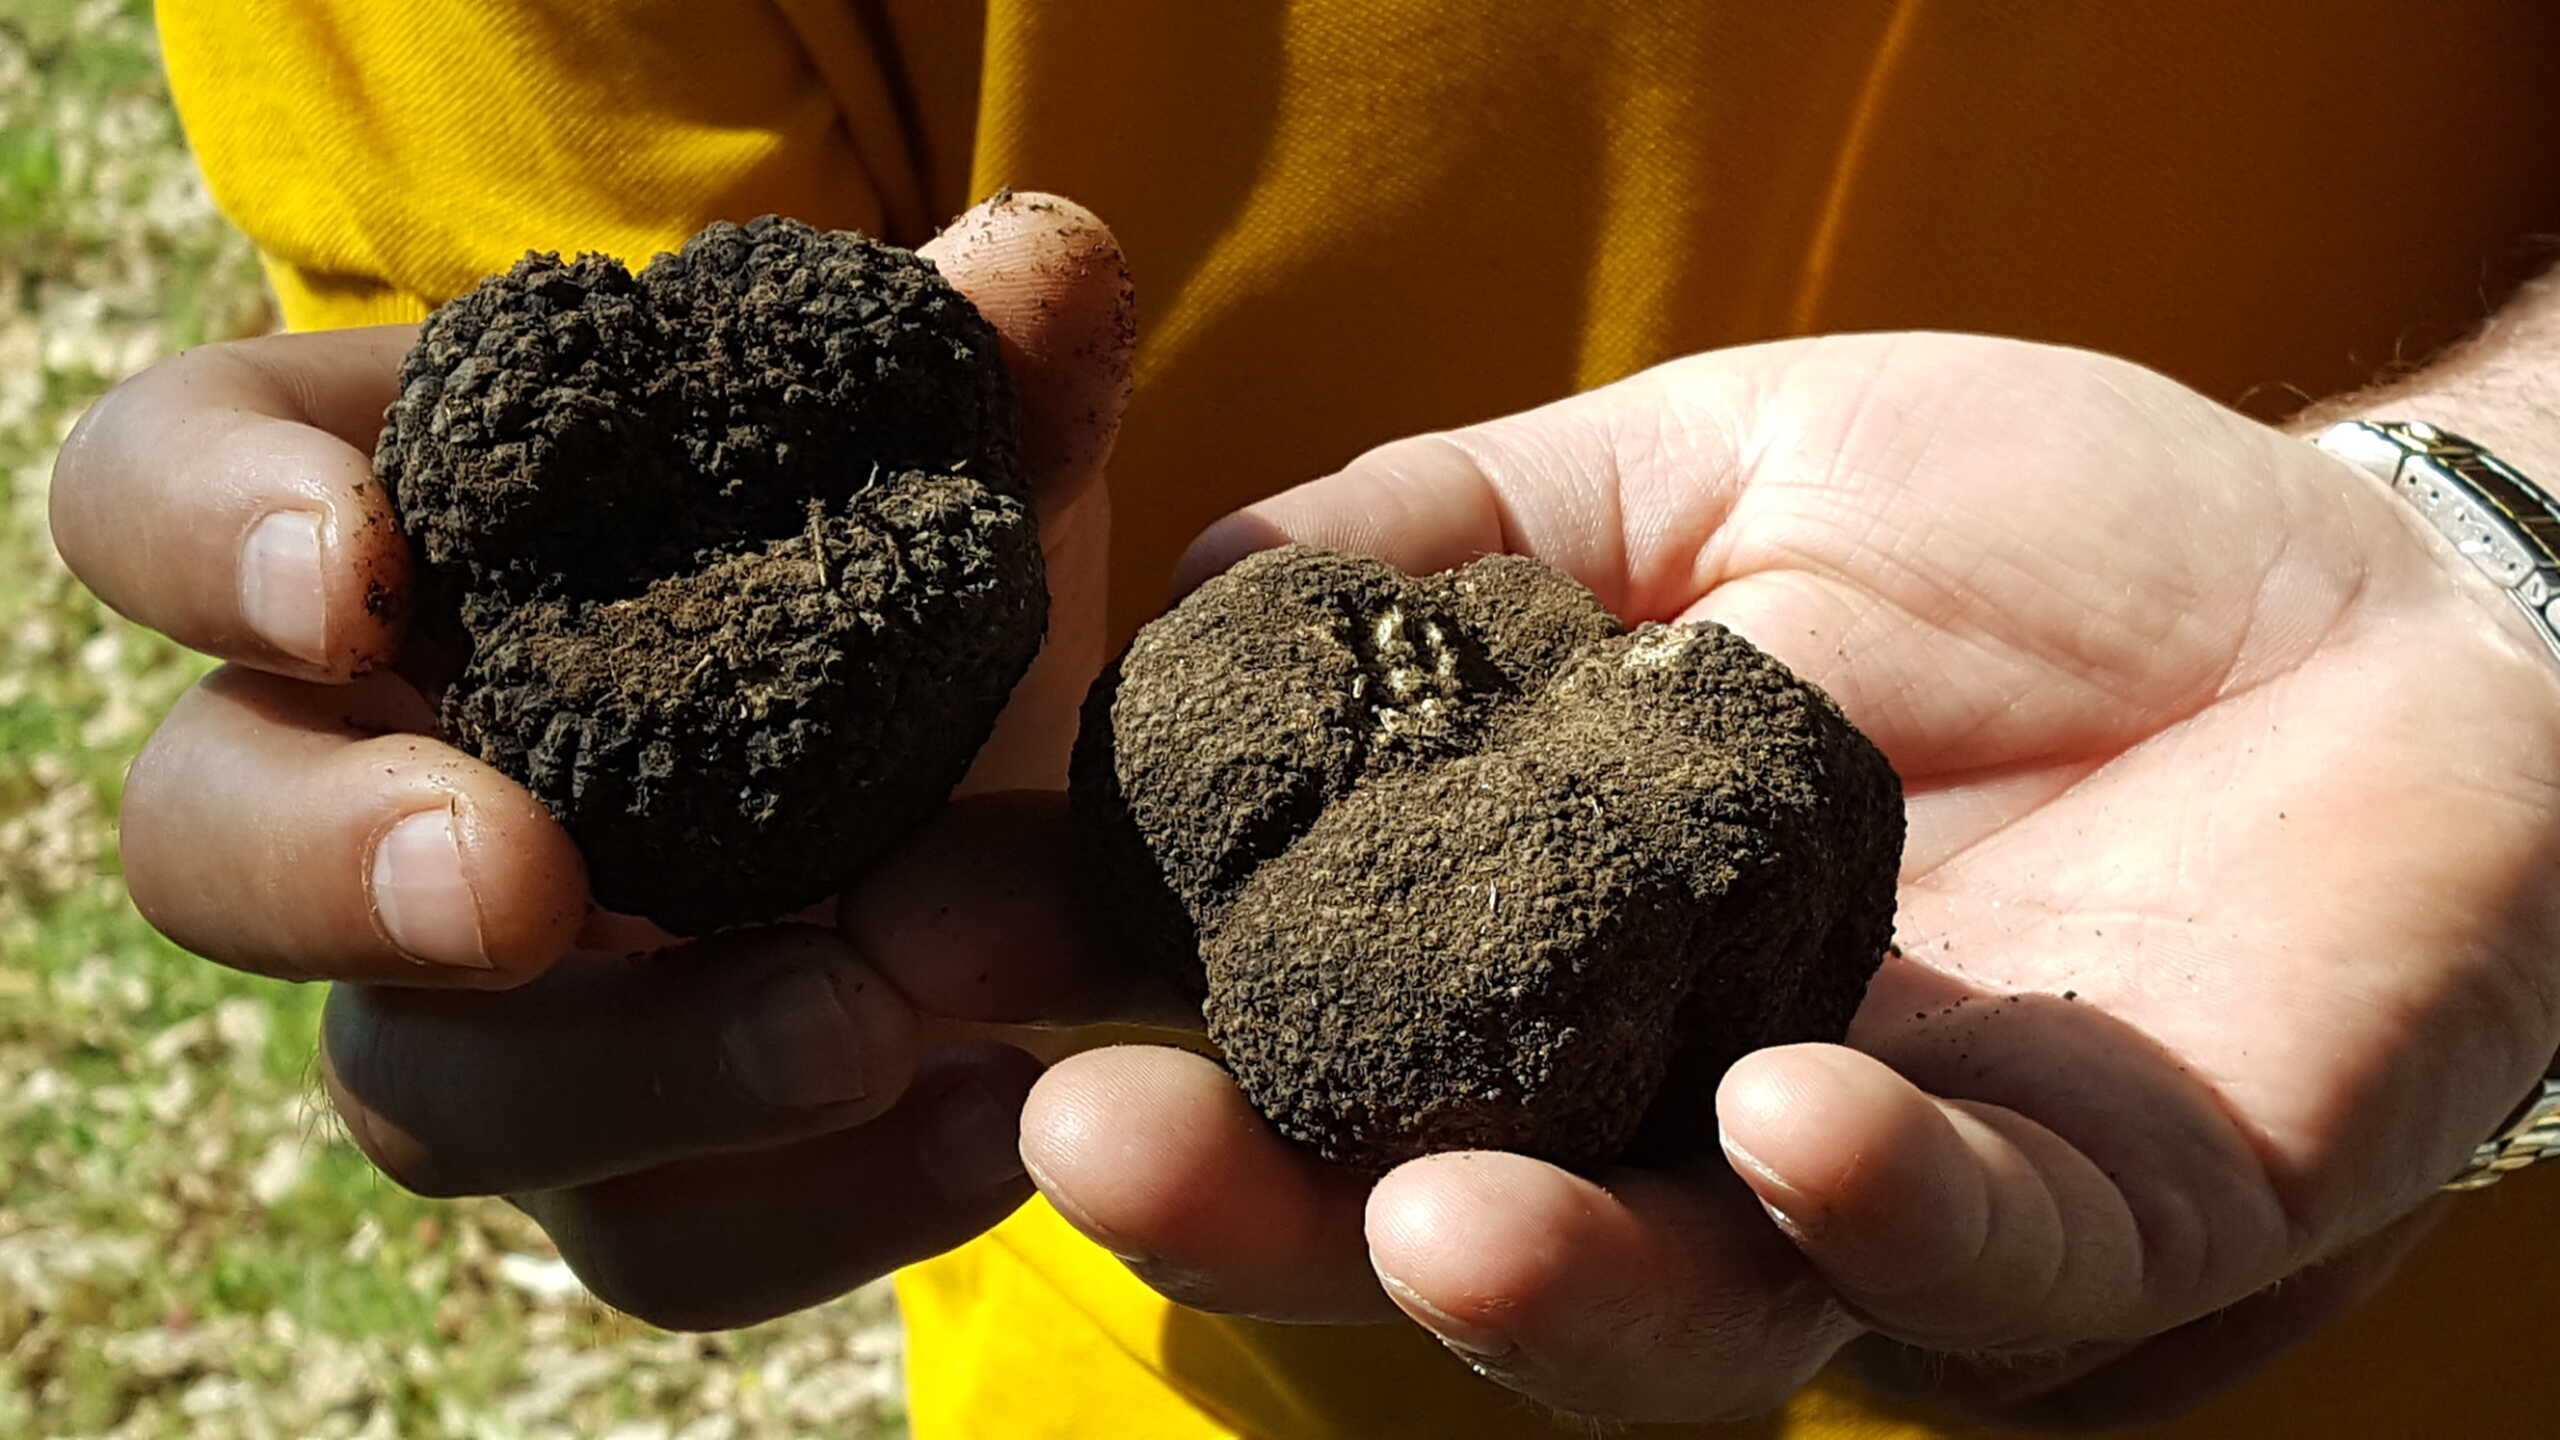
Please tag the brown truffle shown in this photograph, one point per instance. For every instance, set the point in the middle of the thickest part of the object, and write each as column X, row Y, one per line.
column 733, row 554
column 1455, row 862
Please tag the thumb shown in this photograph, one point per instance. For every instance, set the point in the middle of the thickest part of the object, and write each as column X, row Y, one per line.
column 1049, row 276
column 1542, row 483
column 1619, row 487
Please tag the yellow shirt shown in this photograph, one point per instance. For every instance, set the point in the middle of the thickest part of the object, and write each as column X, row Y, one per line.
column 1356, row 219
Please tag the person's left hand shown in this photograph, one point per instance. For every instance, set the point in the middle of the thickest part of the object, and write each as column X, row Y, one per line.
column 2226, row 920
column 714, row 1135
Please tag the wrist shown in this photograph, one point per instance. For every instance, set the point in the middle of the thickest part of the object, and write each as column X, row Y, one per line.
column 2500, row 387
column 2524, row 437
column 2491, row 530
column 2504, row 527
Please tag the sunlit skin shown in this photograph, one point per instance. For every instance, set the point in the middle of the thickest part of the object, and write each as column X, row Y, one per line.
column 2218, row 948
column 2231, row 799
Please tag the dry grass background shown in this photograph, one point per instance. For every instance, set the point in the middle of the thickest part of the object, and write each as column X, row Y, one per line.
column 186, row 1246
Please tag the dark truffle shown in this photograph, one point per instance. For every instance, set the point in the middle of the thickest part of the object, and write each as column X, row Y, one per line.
column 1455, row 862
column 733, row 552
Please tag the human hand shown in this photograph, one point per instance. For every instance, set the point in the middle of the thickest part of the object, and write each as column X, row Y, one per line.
column 2225, row 915
column 715, row 1134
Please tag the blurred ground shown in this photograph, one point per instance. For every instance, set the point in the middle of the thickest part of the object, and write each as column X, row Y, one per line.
column 186, row 1247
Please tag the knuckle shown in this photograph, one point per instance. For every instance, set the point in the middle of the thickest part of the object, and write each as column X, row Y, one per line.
column 1966, row 1317
column 137, row 856
column 678, row 1306
column 81, row 462
column 1462, row 452
column 1197, row 1290
column 1990, row 1324
column 151, row 844
column 399, row 1155
column 98, row 461
column 150, row 777
column 627, row 1265
column 1602, row 1393
column 379, row 1103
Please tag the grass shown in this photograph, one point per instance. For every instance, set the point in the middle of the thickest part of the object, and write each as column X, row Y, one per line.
column 187, row 1247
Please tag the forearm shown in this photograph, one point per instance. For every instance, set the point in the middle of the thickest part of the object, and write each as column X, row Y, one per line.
column 2501, row 387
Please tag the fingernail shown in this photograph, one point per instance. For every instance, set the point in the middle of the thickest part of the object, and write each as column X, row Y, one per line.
column 1473, row 1341
column 795, row 1045
column 281, row 594
column 422, row 896
column 975, row 1141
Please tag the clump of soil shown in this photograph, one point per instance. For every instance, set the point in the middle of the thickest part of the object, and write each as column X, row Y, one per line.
column 733, row 551
column 1457, row 862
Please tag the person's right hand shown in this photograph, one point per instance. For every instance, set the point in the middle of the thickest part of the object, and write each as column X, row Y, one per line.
column 2227, row 915
column 714, row 1134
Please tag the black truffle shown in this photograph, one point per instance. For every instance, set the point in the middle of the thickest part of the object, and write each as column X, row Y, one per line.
column 733, row 553
column 1455, row 862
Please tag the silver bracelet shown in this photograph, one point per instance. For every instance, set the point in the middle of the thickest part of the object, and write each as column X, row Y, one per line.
column 2532, row 1136
column 2503, row 522
column 2510, row 529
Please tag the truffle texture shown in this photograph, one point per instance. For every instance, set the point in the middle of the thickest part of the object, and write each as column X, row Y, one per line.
column 1456, row 862
column 732, row 555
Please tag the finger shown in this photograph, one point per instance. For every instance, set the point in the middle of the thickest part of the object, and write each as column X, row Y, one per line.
column 1647, row 1297
column 1154, row 1154
column 607, row 1066
column 1424, row 504
column 1947, row 1224
column 729, row 1240
column 2170, row 1375
column 975, row 918
column 2118, row 1383
column 225, row 497
column 1050, row 277
column 1629, row 489
column 307, row 832
column 1620, row 487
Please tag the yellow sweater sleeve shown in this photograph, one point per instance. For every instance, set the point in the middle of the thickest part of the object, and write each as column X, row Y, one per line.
column 384, row 157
